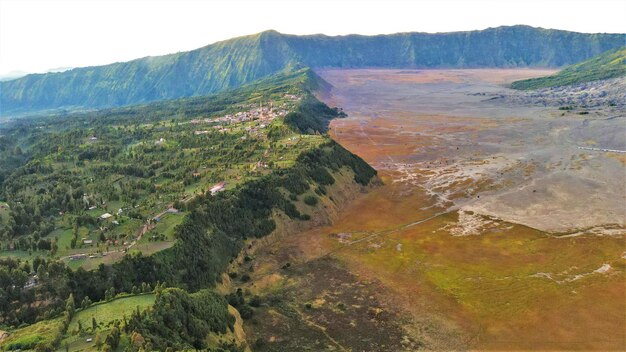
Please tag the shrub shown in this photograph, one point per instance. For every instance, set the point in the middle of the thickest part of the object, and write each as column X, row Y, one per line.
column 310, row 200
column 246, row 311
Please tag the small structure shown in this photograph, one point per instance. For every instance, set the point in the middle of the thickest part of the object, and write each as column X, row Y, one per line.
column 217, row 188
column 105, row 216
column 87, row 241
column 32, row 281
column 78, row 256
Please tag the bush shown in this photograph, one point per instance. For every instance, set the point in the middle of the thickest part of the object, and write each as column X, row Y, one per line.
column 310, row 200
column 321, row 191
column 246, row 311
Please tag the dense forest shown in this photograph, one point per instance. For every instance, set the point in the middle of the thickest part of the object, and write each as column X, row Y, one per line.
column 79, row 190
column 235, row 62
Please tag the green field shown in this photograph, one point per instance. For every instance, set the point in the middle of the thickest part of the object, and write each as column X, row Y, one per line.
column 16, row 254
column 108, row 312
column 165, row 226
column 43, row 333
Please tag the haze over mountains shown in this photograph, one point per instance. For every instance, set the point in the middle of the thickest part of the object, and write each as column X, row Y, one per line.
column 232, row 63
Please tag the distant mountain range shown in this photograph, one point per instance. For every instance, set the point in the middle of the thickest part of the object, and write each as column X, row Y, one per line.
column 232, row 63
column 610, row 64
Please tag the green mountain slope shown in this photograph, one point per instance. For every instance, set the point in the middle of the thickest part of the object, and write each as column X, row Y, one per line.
column 213, row 68
column 261, row 144
column 607, row 65
column 234, row 62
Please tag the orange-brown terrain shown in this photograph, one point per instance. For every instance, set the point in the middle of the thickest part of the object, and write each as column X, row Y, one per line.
column 492, row 229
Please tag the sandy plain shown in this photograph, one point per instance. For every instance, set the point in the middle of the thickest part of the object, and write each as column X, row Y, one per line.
column 493, row 229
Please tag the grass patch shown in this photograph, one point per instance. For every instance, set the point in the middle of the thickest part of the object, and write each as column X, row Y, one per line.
column 108, row 312
column 44, row 333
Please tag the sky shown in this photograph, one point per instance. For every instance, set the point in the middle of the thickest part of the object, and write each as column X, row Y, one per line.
column 40, row 35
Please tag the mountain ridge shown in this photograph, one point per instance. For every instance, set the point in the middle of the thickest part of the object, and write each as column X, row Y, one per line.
column 610, row 64
column 234, row 62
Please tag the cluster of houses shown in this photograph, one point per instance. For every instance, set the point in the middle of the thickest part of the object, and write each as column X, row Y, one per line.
column 264, row 114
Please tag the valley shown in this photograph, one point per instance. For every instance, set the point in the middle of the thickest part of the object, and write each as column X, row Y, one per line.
column 498, row 225
column 276, row 192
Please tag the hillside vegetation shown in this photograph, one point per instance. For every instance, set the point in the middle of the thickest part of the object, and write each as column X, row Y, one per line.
column 610, row 64
column 85, row 194
column 235, row 62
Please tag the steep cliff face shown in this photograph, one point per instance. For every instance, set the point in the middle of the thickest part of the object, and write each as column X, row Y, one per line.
column 515, row 46
column 213, row 68
column 339, row 195
column 232, row 63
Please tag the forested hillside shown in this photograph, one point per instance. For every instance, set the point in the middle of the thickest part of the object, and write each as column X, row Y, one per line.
column 113, row 205
column 234, row 62
column 610, row 64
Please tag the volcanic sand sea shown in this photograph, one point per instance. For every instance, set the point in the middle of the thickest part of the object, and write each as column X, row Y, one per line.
column 492, row 230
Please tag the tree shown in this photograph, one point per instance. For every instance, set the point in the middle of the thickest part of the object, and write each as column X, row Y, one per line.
column 109, row 294
column 70, row 306
column 245, row 311
column 86, row 302
column 310, row 200
column 94, row 323
column 113, row 338
column 54, row 247
column 137, row 340
column 98, row 340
